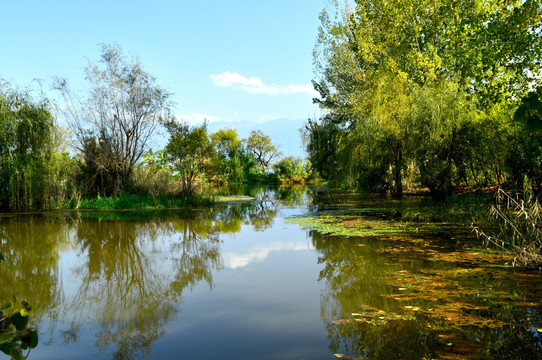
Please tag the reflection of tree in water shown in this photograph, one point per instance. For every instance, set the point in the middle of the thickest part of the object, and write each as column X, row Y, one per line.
column 293, row 195
column 133, row 270
column 351, row 278
column 366, row 319
column 259, row 213
column 264, row 209
column 128, row 280
column 31, row 245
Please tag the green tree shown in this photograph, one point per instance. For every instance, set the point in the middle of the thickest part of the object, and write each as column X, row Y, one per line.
column 263, row 148
column 117, row 117
column 190, row 151
column 26, row 151
column 230, row 154
column 525, row 156
column 291, row 170
column 379, row 64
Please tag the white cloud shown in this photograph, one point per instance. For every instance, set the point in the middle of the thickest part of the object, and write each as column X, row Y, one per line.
column 255, row 85
column 234, row 260
column 194, row 119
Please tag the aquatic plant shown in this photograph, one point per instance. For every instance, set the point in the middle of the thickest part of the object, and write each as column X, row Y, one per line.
column 518, row 219
column 15, row 335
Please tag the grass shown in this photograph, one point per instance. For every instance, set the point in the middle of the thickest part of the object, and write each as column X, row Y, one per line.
column 517, row 219
column 132, row 201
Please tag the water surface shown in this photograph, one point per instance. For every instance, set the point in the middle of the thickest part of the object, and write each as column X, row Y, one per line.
column 242, row 281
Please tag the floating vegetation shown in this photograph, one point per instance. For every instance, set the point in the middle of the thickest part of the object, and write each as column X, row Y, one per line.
column 373, row 316
column 350, row 223
column 422, row 275
column 233, row 198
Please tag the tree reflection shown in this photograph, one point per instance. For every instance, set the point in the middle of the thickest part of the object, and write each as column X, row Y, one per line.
column 293, row 195
column 31, row 245
column 262, row 212
column 132, row 269
column 384, row 299
column 128, row 280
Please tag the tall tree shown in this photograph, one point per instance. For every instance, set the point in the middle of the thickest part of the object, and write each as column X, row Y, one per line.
column 380, row 60
column 26, row 150
column 119, row 114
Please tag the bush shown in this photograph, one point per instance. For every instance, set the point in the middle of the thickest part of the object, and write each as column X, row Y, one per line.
column 291, row 170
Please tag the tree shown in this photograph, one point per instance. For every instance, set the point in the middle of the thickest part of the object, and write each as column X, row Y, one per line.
column 262, row 147
column 230, row 151
column 190, row 151
column 26, row 149
column 525, row 156
column 118, row 116
column 291, row 170
column 476, row 57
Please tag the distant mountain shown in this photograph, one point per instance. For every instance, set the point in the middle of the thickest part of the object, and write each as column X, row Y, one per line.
column 284, row 133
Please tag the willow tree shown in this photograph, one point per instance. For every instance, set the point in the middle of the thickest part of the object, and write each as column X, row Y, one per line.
column 26, row 150
column 115, row 120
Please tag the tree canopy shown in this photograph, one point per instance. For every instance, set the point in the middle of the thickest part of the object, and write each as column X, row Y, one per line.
column 115, row 120
column 415, row 84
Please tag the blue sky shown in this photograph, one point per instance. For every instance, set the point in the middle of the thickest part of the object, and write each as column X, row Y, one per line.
column 234, row 60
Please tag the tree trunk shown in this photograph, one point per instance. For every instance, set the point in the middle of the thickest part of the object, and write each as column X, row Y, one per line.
column 398, row 173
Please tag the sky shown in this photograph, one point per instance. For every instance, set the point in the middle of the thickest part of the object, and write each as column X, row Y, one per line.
column 235, row 60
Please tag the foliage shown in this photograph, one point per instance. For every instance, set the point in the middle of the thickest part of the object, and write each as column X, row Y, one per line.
column 434, row 92
column 15, row 335
column 322, row 140
column 115, row 120
column 191, row 152
column 141, row 201
column 263, row 148
column 291, row 170
column 525, row 155
column 233, row 160
column 154, row 176
column 33, row 175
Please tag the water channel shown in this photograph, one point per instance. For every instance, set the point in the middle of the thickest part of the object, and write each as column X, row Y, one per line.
column 253, row 280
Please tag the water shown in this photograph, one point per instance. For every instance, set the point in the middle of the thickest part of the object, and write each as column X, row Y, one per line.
column 241, row 281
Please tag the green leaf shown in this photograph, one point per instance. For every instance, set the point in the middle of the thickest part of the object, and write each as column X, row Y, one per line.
column 17, row 354
column 31, row 339
column 2, row 258
column 6, row 336
column 6, row 305
column 19, row 321
column 6, row 348
column 534, row 123
column 521, row 113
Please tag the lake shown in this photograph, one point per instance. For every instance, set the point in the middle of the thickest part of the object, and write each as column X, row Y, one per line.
column 271, row 278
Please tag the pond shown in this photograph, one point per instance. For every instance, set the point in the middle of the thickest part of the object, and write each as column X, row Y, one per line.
column 292, row 274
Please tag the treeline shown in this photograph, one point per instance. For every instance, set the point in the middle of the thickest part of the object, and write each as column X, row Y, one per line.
column 103, row 151
column 437, row 94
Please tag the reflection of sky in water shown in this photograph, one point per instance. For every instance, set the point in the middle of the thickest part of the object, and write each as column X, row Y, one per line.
column 264, row 301
column 239, row 250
